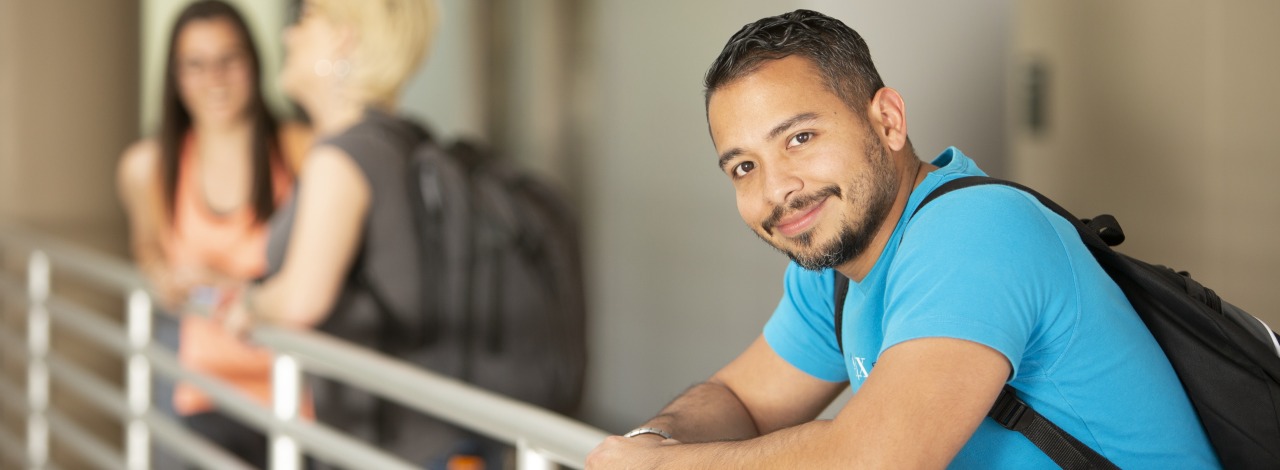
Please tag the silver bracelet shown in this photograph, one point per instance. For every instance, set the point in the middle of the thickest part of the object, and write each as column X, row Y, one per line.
column 638, row 431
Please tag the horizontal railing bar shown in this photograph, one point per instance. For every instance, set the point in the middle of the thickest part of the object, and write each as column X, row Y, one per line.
column 322, row 441
column 97, row 392
column 559, row 438
column 110, row 335
column 103, row 396
column 319, row 440
column 105, row 333
column 101, row 268
column 177, row 437
column 86, row 445
column 15, row 401
column 487, row 412
column 71, row 433
column 499, row 414
column 190, row 446
column 88, row 325
column 334, row 445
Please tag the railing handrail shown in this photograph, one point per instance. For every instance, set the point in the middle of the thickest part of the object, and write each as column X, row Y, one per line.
column 102, row 269
column 557, row 437
column 452, row 400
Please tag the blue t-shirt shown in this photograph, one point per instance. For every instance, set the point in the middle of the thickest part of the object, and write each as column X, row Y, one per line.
column 990, row 264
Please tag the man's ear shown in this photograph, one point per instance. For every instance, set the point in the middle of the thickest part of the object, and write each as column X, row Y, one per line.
column 887, row 114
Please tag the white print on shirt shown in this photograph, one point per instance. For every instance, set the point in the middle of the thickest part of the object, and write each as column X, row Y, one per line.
column 859, row 368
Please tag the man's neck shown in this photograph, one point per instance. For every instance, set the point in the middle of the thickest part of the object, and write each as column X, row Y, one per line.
column 916, row 170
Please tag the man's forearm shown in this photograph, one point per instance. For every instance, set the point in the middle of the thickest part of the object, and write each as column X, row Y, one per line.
column 808, row 445
column 802, row 446
column 706, row 412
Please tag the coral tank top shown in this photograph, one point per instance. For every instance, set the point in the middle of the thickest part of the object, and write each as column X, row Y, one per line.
column 231, row 245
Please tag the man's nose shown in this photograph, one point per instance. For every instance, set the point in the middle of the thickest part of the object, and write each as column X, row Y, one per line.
column 781, row 183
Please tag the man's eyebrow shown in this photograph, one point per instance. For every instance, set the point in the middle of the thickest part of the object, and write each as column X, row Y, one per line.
column 729, row 155
column 789, row 123
column 773, row 133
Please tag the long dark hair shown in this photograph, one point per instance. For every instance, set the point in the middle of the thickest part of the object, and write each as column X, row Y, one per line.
column 176, row 119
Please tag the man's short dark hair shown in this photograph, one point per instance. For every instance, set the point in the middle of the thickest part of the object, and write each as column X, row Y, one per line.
column 838, row 52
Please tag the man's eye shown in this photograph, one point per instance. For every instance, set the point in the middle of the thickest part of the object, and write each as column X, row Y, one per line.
column 743, row 168
column 799, row 139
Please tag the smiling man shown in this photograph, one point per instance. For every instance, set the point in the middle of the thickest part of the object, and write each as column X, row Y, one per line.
column 982, row 287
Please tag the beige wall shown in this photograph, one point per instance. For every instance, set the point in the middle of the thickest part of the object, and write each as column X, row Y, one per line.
column 1163, row 114
column 68, row 79
column 68, row 106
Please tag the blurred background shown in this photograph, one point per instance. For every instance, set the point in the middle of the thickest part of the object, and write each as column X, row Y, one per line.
column 1164, row 113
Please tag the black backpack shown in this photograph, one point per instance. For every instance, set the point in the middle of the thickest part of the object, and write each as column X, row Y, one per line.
column 503, row 303
column 1227, row 360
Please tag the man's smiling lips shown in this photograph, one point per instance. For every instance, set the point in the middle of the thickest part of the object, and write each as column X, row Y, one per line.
column 797, row 223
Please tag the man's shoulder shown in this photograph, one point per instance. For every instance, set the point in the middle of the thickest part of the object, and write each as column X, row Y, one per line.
column 995, row 226
column 983, row 208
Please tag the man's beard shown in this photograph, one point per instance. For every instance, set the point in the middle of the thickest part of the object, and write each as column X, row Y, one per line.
column 880, row 187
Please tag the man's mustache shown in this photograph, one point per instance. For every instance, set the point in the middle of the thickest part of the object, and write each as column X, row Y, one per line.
column 800, row 202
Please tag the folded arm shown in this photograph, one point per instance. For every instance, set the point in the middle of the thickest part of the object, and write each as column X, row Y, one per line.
column 756, row 394
column 921, row 403
column 333, row 200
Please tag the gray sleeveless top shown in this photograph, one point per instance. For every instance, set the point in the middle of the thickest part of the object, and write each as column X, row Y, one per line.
column 381, row 145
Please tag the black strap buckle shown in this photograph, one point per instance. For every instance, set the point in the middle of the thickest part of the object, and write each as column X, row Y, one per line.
column 1009, row 410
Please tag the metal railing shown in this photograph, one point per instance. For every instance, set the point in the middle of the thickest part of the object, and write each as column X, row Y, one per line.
column 542, row 439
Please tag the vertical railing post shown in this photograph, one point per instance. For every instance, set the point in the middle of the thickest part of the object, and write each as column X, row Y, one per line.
column 528, row 458
column 38, row 282
column 286, row 396
column 138, row 380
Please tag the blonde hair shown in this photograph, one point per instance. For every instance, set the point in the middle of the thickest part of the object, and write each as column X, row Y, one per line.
column 393, row 39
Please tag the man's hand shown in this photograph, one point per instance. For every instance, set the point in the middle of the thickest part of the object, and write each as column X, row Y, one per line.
column 722, row 410
column 640, row 452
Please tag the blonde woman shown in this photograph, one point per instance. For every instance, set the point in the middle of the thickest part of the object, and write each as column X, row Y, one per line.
column 343, row 256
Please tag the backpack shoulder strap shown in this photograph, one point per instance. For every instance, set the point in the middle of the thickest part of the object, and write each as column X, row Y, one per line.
column 1016, row 415
column 842, row 291
column 1009, row 411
